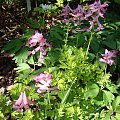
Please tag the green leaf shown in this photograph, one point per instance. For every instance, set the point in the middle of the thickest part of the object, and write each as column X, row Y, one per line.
column 116, row 103
column 110, row 42
column 22, row 66
column 118, row 109
column 21, row 56
column 107, row 96
column 118, row 44
column 112, row 88
column 34, row 23
column 117, row 116
column 92, row 91
column 107, row 116
column 13, row 46
column 30, row 60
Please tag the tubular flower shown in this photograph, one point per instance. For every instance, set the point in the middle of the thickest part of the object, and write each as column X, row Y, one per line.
column 43, row 46
column 37, row 37
column 43, row 82
column 107, row 57
column 22, row 102
column 79, row 12
column 96, row 10
column 79, row 15
column 66, row 11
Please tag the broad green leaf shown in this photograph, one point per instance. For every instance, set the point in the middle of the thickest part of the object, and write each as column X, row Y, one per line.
column 22, row 67
column 110, row 42
column 117, row 116
column 107, row 96
column 116, row 103
column 112, row 88
column 118, row 109
column 92, row 91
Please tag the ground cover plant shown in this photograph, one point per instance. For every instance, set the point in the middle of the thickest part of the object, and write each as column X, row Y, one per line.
column 66, row 63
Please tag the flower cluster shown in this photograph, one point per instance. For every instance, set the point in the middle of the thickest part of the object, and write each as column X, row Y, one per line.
column 22, row 102
column 92, row 14
column 43, row 82
column 107, row 57
column 96, row 10
column 43, row 46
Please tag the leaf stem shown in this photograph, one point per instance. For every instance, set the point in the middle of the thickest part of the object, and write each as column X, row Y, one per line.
column 66, row 39
column 66, row 95
column 90, row 39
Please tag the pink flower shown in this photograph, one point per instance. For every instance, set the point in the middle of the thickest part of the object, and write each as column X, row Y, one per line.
column 43, row 76
column 107, row 57
column 43, row 82
column 22, row 102
column 35, row 39
column 43, row 46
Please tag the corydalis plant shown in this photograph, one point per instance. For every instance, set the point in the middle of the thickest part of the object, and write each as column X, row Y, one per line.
column 107, row 57
column 43, row 46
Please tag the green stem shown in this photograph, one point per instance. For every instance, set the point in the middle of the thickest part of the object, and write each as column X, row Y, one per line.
column 105, row 68
column 66, row 39
column 77, row 42
column 45, row 111
column 48, row 97
column 90, row 39
column 68, row 92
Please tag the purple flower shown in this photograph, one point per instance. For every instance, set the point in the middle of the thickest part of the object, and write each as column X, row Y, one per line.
column 107, row 57
column 79, row 12
column 43, row 82
column 95, row 11
column 66, row 11
column 97, row 8
column 94, row 22
column 22, row 102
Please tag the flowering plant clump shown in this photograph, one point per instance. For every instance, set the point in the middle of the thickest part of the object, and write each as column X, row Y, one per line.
column 107, row 57
column 43, row 46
